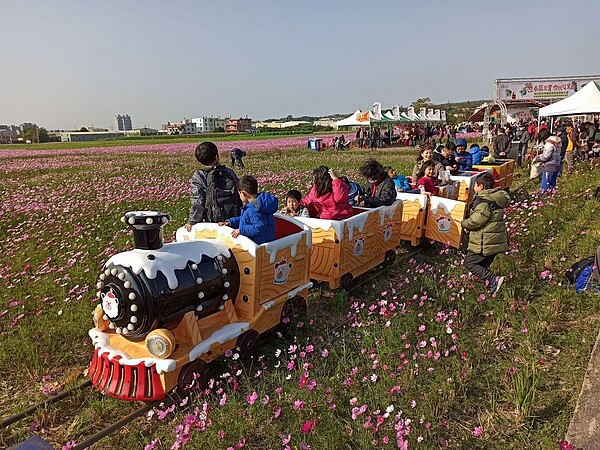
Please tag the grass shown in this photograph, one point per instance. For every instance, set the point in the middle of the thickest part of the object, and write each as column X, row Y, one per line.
column 419, row 354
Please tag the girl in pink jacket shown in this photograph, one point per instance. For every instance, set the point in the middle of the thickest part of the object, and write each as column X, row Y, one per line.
column 328, row 198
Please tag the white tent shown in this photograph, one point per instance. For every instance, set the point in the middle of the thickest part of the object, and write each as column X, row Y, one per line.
column 359, row 118
column 584, row 101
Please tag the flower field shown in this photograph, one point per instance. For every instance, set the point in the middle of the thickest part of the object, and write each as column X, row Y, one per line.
column 418, row 356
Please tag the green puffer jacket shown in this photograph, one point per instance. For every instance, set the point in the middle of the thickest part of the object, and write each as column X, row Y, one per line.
column 486, row 222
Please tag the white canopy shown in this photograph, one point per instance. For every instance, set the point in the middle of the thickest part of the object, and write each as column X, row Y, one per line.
column 584, row 101
column 359, row 118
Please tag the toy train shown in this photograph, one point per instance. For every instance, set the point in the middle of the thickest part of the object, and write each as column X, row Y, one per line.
column 166, row 310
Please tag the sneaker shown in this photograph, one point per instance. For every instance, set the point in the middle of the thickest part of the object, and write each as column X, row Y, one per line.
column 496, row 284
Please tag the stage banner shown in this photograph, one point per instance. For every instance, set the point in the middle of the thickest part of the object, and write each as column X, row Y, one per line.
column 540, row 89
column 396, row 112
column 411, row 113
column 443, row 116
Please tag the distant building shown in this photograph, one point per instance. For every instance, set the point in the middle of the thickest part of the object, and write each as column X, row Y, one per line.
column 186, row 126
column 123, row 122
column 208, row 124
column 142, row 132
column 9, row 134
column 289, row 124
column 81, row 136
column 238, row 125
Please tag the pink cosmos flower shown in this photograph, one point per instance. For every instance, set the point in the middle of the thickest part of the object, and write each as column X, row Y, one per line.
column 251, row 399
column 477, row 431
column 308, row 425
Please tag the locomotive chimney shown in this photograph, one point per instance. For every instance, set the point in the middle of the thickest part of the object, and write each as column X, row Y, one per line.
column 147, row 228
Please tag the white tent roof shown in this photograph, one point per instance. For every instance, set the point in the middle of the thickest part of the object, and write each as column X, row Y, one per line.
column 359, row 118
column 584, row 101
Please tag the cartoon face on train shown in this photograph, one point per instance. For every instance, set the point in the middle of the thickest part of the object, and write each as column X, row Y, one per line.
column 359, row 244
column 282, row 271
column 444, row 224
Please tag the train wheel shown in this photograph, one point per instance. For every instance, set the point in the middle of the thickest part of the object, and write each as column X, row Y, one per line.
column 347, row 281
column 390, row 257
column 248, row 344
column 292, row 310
column 195, row 374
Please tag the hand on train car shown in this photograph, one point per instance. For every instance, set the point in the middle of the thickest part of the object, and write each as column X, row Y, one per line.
column 235, row 233
column 188, row 227
column 223, row 224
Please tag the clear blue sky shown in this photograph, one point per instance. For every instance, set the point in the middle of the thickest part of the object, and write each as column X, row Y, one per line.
column 76, row 63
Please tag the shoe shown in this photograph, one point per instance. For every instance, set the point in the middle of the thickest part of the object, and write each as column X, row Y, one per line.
column 497, row 284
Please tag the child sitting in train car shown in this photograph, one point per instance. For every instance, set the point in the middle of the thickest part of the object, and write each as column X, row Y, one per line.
column 487, row 230
column 427, row 182
column 462, row 156
column 354, row 190
column 478, row 153
column 256, row 221
column 328, row 197
column 293, row 206
column 400, row 181
column 380, row 189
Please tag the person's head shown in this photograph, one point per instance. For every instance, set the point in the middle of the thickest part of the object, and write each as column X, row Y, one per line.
column 544, row 134
column 428, row 169
column 390, row 171
column 426, row 154
column 248, row 188
column 449, row 149
column 292, row 199
column 322, row 181
column 207, row 154
column 500, row 131
column 461, row 145
column 484, row 181
column 372, row 170
column 475, row 145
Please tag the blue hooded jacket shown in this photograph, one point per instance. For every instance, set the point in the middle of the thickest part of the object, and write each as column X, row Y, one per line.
column 465, row 160
column 401, row 183
column 256, row 221
column 477, row 155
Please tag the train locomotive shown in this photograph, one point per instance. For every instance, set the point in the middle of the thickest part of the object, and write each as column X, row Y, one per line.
column 166, row 310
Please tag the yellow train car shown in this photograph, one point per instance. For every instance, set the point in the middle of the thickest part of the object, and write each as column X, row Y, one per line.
column 444, row 217
column 345, row 249
column 502, row 170
column 414, row 212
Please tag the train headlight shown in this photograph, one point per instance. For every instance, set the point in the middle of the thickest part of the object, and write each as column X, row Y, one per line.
column 160, row 343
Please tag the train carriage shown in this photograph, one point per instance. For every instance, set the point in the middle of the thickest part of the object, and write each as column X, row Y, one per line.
column 345, row 249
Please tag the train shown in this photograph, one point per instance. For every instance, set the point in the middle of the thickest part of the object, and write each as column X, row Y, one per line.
column 166, row 310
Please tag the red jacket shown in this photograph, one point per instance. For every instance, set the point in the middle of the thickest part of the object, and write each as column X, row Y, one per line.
column 329, row 206
column 429, row 184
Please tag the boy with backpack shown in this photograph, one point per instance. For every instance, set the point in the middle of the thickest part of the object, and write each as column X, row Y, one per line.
column 487, row 230
column 256, row 221
column 214, row 193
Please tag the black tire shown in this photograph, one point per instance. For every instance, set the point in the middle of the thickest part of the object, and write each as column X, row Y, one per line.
column 248, row 344
column 194, row 375
column 390, row 257
column 347, row 281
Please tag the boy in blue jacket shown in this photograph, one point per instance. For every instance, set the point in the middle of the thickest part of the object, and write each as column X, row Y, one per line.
column 256, row 221
column 464, row 158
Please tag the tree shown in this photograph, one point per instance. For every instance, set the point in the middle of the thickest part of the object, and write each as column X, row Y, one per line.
column 35, row 134
column 419, row 103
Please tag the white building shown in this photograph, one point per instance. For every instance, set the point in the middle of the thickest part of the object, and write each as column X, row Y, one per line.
column 208, row 124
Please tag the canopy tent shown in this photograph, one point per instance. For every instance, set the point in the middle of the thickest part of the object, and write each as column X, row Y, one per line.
column 584, row 101
column 359, row 118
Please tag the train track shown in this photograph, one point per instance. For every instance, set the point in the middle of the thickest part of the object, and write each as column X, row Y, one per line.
column 106, row 431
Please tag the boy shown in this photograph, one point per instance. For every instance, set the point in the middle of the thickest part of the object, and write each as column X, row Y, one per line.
column 214, row 195
column 487, row 229
column 462, row 156
column 256, row 221
column 237, row 155
column 293, row 207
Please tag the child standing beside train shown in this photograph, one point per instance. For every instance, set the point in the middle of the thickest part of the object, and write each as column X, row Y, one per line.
column 487, row 230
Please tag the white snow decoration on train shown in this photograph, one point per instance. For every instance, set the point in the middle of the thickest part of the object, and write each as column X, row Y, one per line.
column 168, row 258
column 220, row 336
column 100, row 341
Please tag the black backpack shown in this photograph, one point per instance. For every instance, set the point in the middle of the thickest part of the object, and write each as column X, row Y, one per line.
column 575, row 270
column 222, row 199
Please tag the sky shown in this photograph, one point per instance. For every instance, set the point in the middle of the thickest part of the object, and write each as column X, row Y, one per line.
column 68, row 64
